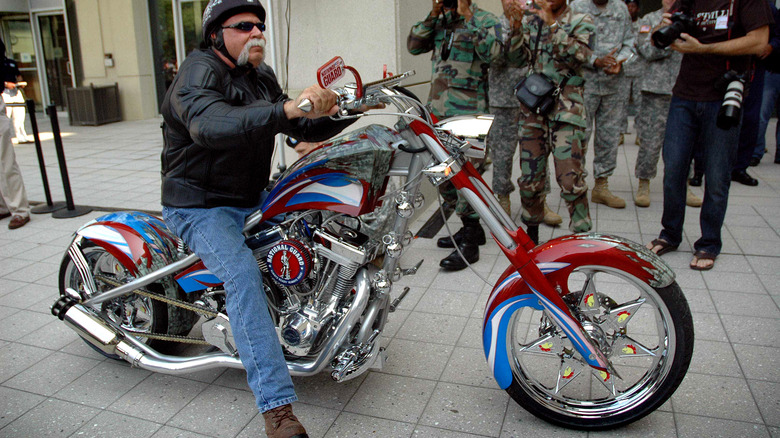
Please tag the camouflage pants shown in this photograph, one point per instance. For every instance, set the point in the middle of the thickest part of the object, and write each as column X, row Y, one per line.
column 633, row 101
column 451, row 196
column 606, row 115
column 503, row 139
column 539, row 137
column 652, row 119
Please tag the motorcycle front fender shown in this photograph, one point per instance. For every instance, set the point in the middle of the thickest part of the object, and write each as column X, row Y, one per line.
column 557, row 259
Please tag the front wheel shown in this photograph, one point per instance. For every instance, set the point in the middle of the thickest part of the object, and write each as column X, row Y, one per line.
column 645, row 332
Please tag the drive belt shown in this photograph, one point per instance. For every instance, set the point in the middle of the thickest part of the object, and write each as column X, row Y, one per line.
column 200, row 310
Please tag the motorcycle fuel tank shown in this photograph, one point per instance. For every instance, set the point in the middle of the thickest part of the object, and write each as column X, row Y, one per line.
column 346, row 175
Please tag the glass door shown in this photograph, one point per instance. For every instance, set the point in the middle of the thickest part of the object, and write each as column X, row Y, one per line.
column 56, row 57
column 19, row 45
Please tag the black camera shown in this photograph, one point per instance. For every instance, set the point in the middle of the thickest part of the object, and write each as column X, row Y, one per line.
column 730, row 112
column 681, row 23
column 450, row 4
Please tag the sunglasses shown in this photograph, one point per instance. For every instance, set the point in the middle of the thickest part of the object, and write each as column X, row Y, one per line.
column 246, row 26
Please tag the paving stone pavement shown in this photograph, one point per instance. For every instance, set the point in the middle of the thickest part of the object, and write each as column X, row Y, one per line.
column 435, row 383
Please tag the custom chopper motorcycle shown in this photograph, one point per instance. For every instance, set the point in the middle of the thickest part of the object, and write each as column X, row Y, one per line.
column 586, row 331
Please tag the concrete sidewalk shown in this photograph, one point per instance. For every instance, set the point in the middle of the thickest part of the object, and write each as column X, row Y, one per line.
column 436, row 382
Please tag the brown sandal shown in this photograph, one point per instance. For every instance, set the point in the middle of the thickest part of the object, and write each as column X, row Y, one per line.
column 665, row 247
column 702, row 255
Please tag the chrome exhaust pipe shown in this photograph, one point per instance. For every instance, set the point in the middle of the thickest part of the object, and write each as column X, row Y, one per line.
column 112, row 341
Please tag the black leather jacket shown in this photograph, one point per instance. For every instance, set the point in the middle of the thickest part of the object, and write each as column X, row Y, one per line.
column 219, row 133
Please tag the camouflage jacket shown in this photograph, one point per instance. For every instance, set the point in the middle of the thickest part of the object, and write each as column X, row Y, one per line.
column 613, row 30
column 633, row 67
column 661, row 65
column 562, row 53
column 504, row 74
column 459, row 84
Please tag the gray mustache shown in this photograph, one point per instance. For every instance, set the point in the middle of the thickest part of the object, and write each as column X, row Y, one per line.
column 243, row 57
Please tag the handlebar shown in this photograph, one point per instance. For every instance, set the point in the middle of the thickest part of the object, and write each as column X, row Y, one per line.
column 348, row 100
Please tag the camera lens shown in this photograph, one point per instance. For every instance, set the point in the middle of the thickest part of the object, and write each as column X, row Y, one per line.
column 664, row 37
column 731, row 109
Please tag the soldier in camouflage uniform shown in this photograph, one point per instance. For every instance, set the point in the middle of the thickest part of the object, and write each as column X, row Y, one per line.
column 563, row 48
column 633, row 69
column 660, row 72
column 461, row 42
column 613, row 43
column 503, row 136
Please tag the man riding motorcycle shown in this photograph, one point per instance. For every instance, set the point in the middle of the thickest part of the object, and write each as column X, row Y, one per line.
column 221, row 114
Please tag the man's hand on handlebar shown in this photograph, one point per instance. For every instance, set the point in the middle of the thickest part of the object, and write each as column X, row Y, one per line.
column 323, row 103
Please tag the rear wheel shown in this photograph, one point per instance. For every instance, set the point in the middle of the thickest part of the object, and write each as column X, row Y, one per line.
column 132, row 312
column 645, row 332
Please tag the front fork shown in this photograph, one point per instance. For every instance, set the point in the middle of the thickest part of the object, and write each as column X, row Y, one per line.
column 515, row 245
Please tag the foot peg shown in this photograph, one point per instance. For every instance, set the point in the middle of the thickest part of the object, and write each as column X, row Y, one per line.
column 412, row 270
column 398, row 300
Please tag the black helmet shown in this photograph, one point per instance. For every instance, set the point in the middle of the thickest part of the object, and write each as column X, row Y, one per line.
column 217, row 11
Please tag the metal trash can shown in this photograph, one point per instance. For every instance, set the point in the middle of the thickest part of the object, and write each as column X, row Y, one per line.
column 93, row 105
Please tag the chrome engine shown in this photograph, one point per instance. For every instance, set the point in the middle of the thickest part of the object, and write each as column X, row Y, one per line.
column 310, row 268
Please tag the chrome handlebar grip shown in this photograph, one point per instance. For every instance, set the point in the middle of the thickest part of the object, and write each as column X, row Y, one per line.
column 305, row 105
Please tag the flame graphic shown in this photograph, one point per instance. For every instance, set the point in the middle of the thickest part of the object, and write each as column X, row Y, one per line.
column 589, row 300
column 629, row 349
column 567, row 373
column 547, row 346
column 622, row 316
column 604, row 375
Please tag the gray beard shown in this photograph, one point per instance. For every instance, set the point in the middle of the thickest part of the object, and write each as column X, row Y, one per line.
column 243, row 57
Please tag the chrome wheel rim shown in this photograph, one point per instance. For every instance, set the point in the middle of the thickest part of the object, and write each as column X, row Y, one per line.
column 131, row 312
column 631, row 325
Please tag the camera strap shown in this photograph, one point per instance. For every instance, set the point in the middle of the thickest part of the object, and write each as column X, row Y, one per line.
column 731, row 26
column 559, row 87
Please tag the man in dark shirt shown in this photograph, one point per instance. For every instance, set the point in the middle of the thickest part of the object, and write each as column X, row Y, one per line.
column 726, row 31
column 221, row 113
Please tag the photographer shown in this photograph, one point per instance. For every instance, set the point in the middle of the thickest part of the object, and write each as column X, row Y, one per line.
column 714, row 36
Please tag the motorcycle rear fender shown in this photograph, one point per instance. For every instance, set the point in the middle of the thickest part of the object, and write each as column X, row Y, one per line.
column 557, row 259
column 142, row 243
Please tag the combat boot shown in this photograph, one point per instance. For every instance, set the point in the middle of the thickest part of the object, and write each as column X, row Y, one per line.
column 602, row 195
column 691, row 200
column 446, row 241
column 551, row 218
column 468, row 246
column 281, row 423
column 503, row 200
column 642, row 198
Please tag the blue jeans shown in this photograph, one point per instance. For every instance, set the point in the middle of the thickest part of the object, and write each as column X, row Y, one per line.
column 214, row 234
column 689, row 121
column 770, row 103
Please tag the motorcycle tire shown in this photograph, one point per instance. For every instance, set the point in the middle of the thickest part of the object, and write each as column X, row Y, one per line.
column 132, row 311
column 647, row 335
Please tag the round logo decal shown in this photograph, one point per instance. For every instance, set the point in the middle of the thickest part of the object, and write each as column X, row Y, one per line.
column 289, row 262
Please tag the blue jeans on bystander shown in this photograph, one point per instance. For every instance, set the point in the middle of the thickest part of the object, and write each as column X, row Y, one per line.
column 689, row 121
column 214, row 234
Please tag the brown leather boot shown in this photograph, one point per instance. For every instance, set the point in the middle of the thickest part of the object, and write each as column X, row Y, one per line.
column 601, row 195
column 281, row 423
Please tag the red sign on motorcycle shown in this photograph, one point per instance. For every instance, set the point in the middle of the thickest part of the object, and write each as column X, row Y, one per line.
column 331, row 72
